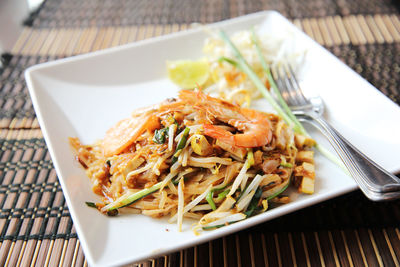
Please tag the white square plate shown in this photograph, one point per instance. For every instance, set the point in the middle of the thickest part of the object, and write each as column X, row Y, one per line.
column 85, row 95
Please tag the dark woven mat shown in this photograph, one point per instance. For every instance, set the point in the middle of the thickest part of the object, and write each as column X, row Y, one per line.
column 35, row 204
column 15, row 101
column 377, row 63
column 77, row 13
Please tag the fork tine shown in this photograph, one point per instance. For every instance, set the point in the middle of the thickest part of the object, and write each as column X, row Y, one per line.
column 281, row 86
column 289, row 86
column 284, row 86
column 295, row 87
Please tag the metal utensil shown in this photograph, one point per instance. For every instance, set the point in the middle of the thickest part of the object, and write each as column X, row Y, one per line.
column 374, row 181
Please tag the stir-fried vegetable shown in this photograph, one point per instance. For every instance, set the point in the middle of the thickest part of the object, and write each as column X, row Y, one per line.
column 91, row 204
column 181, row 145
column 130, row 199
column 161, row 135
column 210, row 200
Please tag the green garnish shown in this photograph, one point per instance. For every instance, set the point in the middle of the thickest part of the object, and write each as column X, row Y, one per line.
column 218, row 226
column 183, row 140
column 136, row 196
column 253, row 203
column 286, row 164
column 280, row 191
column 175, row 180
column 180, row 145
column 160, row 136
column 91, row 204
column 210, row 200
column 222, row 195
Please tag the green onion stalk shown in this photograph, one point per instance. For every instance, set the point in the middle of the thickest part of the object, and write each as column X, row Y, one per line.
column 181, row 145
column 136, row 196
column 282, row 108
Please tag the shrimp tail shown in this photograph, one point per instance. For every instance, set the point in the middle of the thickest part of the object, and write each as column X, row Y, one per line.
column 219, row 133
column 250, row 141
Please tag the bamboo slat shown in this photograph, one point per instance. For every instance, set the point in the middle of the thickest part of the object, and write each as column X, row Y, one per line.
column 322, row 23
column 365, row 29
column 383, row 29
column 391, row 28
column 316, row 31
column 21, row 42
column 375, row 29
column 307, row 28
column 341, row 30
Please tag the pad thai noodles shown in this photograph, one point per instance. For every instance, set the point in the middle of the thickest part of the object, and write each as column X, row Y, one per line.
column 198, row 157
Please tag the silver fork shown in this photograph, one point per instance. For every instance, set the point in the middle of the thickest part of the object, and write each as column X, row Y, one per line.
column 374, row 181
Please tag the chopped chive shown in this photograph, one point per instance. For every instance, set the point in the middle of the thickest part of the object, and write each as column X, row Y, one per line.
column 286, row 164
column 253, row 203
column 279, row 192
column 175, row 180
column 160, row 136
column 218, row 226
column 210, row 200
column 222, row 195
column 213, row 227
column 136, row 196
column 183, row 140
column 91, row 204
column 180, row 145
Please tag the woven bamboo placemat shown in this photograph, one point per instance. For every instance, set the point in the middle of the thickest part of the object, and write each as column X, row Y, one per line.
column 77, row 13
column 35, row 225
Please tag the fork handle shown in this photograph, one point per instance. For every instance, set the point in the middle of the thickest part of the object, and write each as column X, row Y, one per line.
column 373, row 180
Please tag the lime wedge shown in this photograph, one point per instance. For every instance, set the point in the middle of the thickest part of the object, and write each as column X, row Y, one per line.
column 188, row 74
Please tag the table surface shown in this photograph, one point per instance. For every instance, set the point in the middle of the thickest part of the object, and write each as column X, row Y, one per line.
column 35, row 224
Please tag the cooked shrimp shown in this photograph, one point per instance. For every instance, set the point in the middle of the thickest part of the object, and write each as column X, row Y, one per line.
column 255, row 125
column 126, row 131
column 256, row 132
